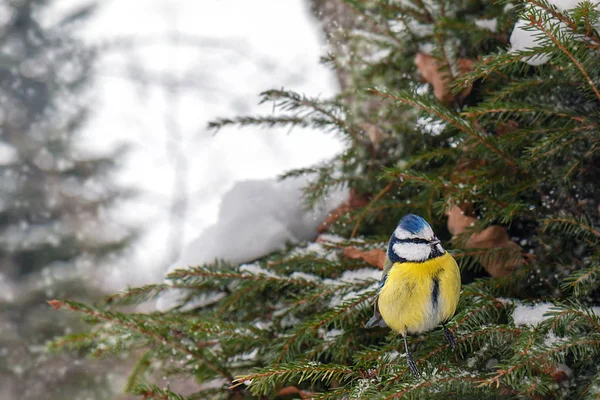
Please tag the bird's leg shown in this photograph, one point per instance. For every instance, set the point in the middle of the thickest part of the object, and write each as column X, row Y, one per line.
column 449, row 337
column 411, row 361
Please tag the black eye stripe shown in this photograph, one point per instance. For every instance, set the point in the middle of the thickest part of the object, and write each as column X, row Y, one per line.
column 414, row 240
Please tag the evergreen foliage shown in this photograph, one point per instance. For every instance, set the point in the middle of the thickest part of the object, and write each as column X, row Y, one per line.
column 515, row 143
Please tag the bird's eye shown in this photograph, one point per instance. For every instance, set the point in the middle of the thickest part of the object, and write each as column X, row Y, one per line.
column 415, row 240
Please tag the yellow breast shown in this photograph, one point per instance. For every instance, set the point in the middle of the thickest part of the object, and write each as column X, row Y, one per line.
column 417, row 297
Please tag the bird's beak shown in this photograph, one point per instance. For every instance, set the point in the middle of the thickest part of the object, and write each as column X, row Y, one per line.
column 435, row 241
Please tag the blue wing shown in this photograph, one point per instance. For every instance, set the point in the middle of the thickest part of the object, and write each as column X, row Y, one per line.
column 387, row 266
column 382, row 283
column 377, row 319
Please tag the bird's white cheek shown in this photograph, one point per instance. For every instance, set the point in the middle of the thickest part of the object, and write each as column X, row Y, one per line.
column 412, row 251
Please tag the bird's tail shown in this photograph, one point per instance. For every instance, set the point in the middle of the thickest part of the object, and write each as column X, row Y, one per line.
column 376, row 320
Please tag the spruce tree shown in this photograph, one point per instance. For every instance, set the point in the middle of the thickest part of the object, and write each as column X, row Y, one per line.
column 497, row 147
column 54, row 199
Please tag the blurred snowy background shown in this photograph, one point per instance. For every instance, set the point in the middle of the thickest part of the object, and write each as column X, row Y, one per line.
column 169, row 68
column 108, row 168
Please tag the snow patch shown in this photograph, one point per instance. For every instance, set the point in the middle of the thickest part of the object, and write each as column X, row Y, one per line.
column 256, row 218
column 362, row 386
column 327, row 237
column 330, row 335
column 430, row 126
column 316, row 249
column 304, row 276
column 489, row 24
column 551, row 339
column 523, row 40
column 531, row 315
column 289, row 321
column 393, row 356
column 244, row 356
column 255, row 269
column 348, row 297
column 354, row 276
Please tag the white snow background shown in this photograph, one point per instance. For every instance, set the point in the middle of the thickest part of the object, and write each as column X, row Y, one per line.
column 216, row 56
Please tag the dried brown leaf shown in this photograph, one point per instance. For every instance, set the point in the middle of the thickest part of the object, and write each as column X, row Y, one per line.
column 506, row 127
column 458, row 222
column 294, row 390
column 493, row 237
column 374, row 134
column 375, row 257
column 431, row 70
column 56, row 304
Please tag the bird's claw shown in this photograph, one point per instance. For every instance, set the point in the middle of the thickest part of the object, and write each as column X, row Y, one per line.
column 412, row 365
column 450, row 338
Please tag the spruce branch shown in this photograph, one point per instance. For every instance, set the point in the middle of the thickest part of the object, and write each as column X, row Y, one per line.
column 583, row 281
column 141, row 366
column 265, row 381
column 467, row 342
column 312, row 325
column 419, row 389
column 519, row 86
column 541, row 360
column 516, row 109
column 484, row 308
column 429, row 156
column 565, row 318
column 579, row 228
column 153, row 392
column 266, row 121
column 554, row 36
column 74, row 341
column 446, row 116
column 591, row 391
column 495, row 64
column 292, row 101
column 150, row 333
column 207, row 272
column 136, row 295
column 566, row 19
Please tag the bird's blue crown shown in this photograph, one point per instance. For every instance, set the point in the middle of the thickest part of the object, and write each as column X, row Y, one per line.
column 413, row 223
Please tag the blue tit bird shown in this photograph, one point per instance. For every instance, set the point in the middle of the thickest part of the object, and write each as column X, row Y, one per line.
column 420, row 286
